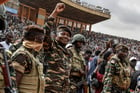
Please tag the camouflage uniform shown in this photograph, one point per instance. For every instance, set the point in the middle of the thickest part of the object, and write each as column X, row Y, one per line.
column 11, row 70
column 58, row 60
column 78, row 63
column 2, row 27
column 117, row 76
column 1, row 76
column 25, row 61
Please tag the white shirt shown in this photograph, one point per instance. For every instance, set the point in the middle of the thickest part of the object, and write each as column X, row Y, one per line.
column 5, row 45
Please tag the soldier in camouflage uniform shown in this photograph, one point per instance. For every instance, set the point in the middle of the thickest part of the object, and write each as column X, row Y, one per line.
column 1, row 76
column 56, row 56
column 8, row 55
column 29, row 70
column 2, row 27
column 77, row 74
column 117, row 73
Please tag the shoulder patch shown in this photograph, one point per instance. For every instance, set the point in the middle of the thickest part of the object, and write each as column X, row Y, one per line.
column 20, row 58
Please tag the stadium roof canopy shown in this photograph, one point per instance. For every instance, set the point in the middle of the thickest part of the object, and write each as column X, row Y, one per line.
column 73, row 10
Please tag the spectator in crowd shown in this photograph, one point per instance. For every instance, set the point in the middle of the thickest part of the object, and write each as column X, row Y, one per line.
column 100, row 70
column 87, row 56
column 8, row 40
column 133, row 61
column 29, row 70
column 135, row 73
column 93, row 64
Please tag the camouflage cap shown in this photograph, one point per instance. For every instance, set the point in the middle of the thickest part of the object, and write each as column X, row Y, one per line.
column 78, row 37
column 121, row 47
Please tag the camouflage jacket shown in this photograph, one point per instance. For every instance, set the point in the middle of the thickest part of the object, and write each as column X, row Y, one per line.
column 26, row 61
column 11, row 71
column 58, row 62
column 78, row 62
column 117, row 76
column 77, row 65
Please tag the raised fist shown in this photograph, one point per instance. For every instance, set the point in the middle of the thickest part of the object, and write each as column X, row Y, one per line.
column 59, row 7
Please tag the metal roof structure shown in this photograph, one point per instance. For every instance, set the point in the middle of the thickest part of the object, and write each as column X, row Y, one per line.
column 73, row 10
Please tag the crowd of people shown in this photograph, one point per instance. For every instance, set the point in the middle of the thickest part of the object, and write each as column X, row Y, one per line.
column 66, row 61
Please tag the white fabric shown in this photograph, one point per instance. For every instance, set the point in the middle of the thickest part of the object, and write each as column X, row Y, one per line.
column 132, row 58
column 137, row 67
column 5, row 45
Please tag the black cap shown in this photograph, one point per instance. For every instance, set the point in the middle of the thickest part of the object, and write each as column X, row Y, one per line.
column 61, row 28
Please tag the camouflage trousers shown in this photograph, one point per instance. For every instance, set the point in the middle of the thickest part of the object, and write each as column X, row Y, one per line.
column 62, row 90
column 76, row 86
column 118, row 90
column 57, row 88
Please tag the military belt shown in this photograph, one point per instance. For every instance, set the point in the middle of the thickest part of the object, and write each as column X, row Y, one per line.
column 77, row 74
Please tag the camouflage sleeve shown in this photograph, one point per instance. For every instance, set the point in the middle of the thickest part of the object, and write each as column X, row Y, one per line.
column 22, row 63
column 49, row 25
column 109, row 72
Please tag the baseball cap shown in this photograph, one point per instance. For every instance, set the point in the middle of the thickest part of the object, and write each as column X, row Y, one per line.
column 132, row 58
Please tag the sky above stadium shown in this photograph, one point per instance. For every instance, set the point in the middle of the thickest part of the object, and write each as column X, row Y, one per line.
column 125, row 18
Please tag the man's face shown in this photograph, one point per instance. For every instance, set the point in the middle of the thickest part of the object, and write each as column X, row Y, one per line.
column 63, row 37
column 87, row 55
column 123, row 53
column 10, row 38
column 133, row 63
column 79, row 44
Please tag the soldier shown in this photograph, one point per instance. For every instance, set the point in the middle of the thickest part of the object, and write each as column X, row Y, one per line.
column 56, row 56
column 2, row 27
column 1, row 76
column 117, row 73
column 2, row 63
column 29, row 70
column 77, row 74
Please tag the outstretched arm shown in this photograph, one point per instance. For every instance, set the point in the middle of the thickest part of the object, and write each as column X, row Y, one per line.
column 58, row 9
